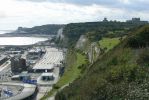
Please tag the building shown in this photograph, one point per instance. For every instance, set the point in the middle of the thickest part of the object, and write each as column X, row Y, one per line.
column 105, row 20
column 3, row 59
column 51, row 59
column 33, row 56
column 39, row 68
column 137, row 21
column 24, row 76
column 18, row 65
column 35, row 52
column 47, row 76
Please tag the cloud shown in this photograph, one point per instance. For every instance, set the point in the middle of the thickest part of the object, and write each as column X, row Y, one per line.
column 79, row 2
column 2, row 14
column 125, row 4
column 28, row 13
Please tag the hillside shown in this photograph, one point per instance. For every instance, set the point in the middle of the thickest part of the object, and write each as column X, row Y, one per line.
column 120, row 74
column 50, row 29
column 96, row 30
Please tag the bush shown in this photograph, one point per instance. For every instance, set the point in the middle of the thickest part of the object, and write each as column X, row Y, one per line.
column 56, row 86
column 144, row 58
column 114, row 61
column 141, row 39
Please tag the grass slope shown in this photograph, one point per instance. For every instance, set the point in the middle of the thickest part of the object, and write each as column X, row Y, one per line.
column 109, row 43
column 72, row 71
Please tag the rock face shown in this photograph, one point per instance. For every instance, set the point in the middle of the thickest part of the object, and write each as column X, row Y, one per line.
column 60, row 34
column 81, row 42
column 91, row 49
column 93, row 52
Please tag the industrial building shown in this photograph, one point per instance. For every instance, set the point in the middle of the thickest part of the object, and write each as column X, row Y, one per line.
column 3, row 59
column 35, row 52
column 18, row 65
column 22, row 76
column 47, row 76
column 34, row 55
column 39, row 66
column 51, row 59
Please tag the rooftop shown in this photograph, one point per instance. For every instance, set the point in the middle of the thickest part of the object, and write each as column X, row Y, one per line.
column 2, row 57
column 44, row 66
column 52, row 58
column 47, row 74
column 35, row 50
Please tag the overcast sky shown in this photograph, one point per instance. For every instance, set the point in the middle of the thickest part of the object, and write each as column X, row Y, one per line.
column 28, row 13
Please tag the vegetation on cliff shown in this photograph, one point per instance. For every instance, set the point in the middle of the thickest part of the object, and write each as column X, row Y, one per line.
column 120, row 74
column 95, row 31
column 50, row 29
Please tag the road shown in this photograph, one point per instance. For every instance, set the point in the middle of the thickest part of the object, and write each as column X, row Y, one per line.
column 44, row 86
column 44, row 89
column 5, row 71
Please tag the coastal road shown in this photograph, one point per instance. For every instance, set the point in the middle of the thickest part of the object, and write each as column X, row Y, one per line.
column 5, row 71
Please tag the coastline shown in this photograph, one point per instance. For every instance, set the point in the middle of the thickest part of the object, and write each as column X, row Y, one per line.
column 26, row 35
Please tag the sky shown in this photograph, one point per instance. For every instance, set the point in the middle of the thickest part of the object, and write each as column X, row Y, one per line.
column 29, row 13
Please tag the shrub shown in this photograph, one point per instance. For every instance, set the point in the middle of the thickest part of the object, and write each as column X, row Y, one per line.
column 141, row 39
column 143, row 58
column 56, row 86
column 114, row 61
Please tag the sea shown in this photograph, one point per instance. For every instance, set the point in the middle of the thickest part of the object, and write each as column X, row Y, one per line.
column 19, row 40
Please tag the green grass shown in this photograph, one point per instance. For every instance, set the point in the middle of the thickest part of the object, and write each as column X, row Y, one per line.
column 71, row 73
column 109, row 43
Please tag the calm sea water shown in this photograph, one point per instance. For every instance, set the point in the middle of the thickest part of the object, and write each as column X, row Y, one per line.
column 3, row 32
column 20, row 40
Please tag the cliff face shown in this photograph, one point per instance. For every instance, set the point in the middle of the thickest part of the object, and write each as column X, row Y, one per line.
column 91, row 49
column 121, row 73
